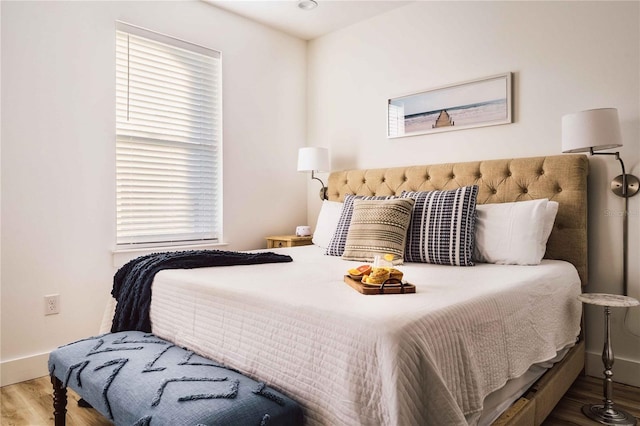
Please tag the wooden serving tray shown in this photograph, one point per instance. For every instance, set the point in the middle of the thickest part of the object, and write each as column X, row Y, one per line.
column 365, row 288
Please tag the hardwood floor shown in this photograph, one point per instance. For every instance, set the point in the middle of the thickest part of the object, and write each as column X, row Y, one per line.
column 30, row 404
column 588, row 390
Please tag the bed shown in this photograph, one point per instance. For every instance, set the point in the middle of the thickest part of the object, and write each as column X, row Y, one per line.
column 484, row 344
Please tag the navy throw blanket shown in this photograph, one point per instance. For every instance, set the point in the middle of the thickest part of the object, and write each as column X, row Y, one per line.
column 132, row 282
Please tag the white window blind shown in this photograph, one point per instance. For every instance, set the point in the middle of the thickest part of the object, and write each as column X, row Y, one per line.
column 168, row 139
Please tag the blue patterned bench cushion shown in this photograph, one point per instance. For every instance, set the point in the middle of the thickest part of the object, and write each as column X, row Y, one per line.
column 136, row 378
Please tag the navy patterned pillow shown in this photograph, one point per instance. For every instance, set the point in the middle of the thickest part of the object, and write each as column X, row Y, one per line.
column 339, row 239
column 442, row 227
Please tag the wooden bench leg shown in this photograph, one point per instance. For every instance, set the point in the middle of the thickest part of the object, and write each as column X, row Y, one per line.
column 59, row 402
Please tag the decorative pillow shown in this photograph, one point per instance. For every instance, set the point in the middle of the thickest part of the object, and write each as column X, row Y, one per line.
column 327, row 223
column 514, row 233
column 378, row 227
column 442, row 227
column 339, row 239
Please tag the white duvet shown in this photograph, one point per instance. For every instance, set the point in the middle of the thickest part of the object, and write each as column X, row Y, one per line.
column 428, row 358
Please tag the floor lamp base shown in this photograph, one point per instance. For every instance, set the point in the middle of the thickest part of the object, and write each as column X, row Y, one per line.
column 611, row 416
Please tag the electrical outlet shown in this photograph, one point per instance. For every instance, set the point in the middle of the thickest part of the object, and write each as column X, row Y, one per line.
column 52, row 304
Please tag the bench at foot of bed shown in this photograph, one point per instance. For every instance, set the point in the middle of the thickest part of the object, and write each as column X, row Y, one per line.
column 136, row 378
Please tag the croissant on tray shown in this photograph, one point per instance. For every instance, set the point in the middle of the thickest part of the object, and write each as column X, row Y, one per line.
column 395, row 274
column 377, row 276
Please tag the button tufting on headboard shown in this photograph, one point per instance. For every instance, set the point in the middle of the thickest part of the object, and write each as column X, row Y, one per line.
column 562, row 178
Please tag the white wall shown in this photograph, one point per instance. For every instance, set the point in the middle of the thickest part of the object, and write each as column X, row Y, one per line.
column 58, row 168
column 565, row 56
column 57, row 133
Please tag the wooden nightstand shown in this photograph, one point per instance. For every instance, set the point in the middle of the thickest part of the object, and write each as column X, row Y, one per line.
column 287, row 241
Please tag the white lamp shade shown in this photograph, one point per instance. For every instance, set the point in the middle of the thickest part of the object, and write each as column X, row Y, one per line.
column 313, row 159
column 594, row 129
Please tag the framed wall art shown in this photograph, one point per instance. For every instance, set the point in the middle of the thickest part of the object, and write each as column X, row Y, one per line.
column 477, row 103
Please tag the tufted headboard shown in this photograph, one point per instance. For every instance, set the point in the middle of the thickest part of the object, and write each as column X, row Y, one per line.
column 562, row 178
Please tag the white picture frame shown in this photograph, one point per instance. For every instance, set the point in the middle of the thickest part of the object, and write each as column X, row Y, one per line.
column 477, row 103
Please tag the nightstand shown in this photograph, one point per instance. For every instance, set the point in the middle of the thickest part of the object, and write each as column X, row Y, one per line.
column 278, row 241
column 606, row 413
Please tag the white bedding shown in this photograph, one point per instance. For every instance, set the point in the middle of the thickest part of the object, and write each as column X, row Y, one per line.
column 428, row 358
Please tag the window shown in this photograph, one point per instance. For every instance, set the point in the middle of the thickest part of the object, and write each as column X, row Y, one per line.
column 168, row 140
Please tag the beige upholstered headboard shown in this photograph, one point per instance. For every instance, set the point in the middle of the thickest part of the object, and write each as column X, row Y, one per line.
column 562, row 178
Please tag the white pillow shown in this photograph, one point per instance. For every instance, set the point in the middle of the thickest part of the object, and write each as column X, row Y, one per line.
column 549, row 220
column 327, row 223
column 513, row 233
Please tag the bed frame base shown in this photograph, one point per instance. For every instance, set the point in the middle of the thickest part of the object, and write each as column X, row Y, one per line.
column 536, row 404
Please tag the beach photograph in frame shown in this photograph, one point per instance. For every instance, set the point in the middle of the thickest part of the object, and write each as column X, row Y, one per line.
column 476, row 103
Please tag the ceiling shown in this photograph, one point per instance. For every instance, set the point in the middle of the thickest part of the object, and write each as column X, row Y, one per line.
column 286, row 16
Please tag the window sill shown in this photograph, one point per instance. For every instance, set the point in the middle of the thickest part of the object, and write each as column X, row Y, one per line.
column 121, row 256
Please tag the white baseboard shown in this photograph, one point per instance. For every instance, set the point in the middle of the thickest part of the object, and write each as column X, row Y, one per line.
column 624, row 370
column 21, row 369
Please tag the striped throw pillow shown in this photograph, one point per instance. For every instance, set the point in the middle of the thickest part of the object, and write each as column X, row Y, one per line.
column 339, row 239
column 442, row 227
column 378, row 227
